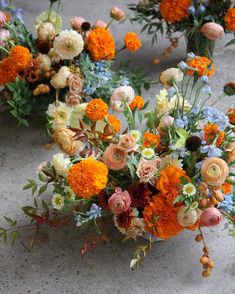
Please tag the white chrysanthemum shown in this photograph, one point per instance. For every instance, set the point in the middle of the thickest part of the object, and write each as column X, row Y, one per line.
column 135, row 134
column 77, row 114
column 189, row 189
column 168, row 160
column 57, row 201
column 54, row 18
column 148, row 153
column 170, row 76
column 69, row 194
column 61, row 115
column 68, row 44
column 61, row 164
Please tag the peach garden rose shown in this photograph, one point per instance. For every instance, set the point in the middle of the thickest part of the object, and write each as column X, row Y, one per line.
column 146, row 169
column 127, row 142
column 114, row 157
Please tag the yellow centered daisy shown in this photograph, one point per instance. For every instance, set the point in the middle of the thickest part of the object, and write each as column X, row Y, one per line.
column 189, row 189
column 148, row 153
column 57, row 201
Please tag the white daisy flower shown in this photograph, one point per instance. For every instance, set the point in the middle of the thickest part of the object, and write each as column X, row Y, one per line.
column 189, row 189
column 135, row 134
column 61, row 115
column 57, row 201
column 68, row 44
column 60, row 164
column 148, row 153
column 69, row 194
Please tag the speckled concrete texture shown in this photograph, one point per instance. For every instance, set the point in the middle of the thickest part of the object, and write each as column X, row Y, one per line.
column 55, row 266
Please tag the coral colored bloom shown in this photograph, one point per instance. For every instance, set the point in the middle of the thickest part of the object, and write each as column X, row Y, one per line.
column 211, row 133
column 227, row 188
column 229, row 19
column 76, row 22
column 138, row 102
column 88, row 177
column 114, row 122
column 114, row 157
column 132, row 42
column 203, row 66
column 212, row 31
column 175, row 10
column 96, row 109
column 160, row 218
column 120, row 201
column 210, row 217
column 150, row 140
column 100, row 43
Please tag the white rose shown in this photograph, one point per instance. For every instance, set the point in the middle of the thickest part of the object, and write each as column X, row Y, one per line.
column 171, row 75
column 45, row 61
column 60, row 80
column 119, row 95
column 46, row 31
column 61, row 164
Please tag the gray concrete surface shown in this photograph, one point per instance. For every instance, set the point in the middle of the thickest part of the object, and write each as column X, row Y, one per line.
column 55, row 266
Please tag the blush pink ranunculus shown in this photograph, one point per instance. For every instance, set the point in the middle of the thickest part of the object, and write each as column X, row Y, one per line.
column 121, row 94
column 76, row 22
column 120, row 201
column 212, row 31
column 4, row 35
column 114, row 157
column 101, row 24
column 210, row 217
column 117, row 13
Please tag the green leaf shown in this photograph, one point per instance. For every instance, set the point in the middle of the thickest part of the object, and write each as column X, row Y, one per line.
column 178, row 199
column 44, row 204
column 42, row 190
column 29, row 210
column 11, row 222
column 3, row 234
column 13, row 236
column 231, row 42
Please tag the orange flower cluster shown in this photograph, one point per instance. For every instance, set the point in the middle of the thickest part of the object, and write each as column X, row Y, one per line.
column 114, row 122
column 160, row 218
column 212, row 132
column 229, row 19
column 150, row 140
column 174, row 10
column 19, row 59
column 132, row 42
column 138, row 102
column 203, row 66
column 100, row 43
column 169, row 182
column 88, row 177
column 96, row 109
column 231, row 115
column 227, row 188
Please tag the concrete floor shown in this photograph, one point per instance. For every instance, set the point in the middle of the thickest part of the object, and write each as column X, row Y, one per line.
column 55, row 267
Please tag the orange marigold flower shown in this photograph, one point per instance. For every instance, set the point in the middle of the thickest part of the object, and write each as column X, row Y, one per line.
column 211, row 133
column 150, row 140
column 96, row 109
column 229, row 19
column 88, row 177
column 160, row 218
column 203, row 66
column 8, row 72
column 138, row 102
column 20, row 57
column 227, row 188
column 169, row 182
column 132, row 42
column 231, row 115
column 114, row 122
column 100, row 43
column 174, row 10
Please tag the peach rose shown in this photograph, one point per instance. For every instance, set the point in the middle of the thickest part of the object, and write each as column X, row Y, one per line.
column 230, row 148
column 214, row 171
column 75, row 83
column 127, row 142
column 60, row 79
column 120, row 201
column 66, row 141
column 119, row 95
column 212, row 31
column 117, row 13
column 146, row 169
column 165, row 123
column 73, row 99
column 186, row 217
column 101, row 24
column 210, row 217
column 114, row 157
column 46, row 31
column 76, row 22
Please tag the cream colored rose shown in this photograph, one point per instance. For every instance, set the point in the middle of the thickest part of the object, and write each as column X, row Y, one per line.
column 66, row 141
column 73, row 99
column 60, row 80
column 117, row 13
column 45, row 61
column 61, row 164
column 121, row 94
column 170, row 76
column 187, row 217
column 146, row 169
column 46, row 31
column 75, row 83
column 127, row 142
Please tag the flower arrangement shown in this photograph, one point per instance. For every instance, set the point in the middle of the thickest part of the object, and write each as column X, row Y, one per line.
column 77, row 62
column 163, row 171
column 200, row 22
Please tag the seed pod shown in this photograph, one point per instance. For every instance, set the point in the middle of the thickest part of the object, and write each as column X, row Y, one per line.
column 36, row 92
column 214, row 201
column 156, row 61
column 206, row 249
column 199, row 238
column 210, row 264
column 206, row 273
column 204, row 260
column 218, row 195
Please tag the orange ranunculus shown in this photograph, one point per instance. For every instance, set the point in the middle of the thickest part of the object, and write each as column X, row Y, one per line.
column 114, row 122
column 96, row 109
column 169, row 182
column 229, row 19
column 138, row 102
column 100, row 43
column 174, row 10
column 150, row 139
column 203, row 66
column 211, row 133
column 227, row 188
column 132, row 42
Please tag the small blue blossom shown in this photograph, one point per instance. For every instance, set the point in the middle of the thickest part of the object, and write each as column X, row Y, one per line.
column 206, row 3
column 227, row 204
column 171, row 92
column 205, row 79
column 179, row 152
column 198, row 165
column 191, row 10
column 125, row 82
column 211, row 150
column 215, row 116
column 4, row 3
column 181, row 122
column 19, row 14
column 195, row 110
column 89, row 90
column 182, row 65
column 206, row 89
column 95, row 211
column 201, row 9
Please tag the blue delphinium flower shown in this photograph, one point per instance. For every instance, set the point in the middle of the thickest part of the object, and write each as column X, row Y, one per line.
column 4, row 3
column 125, row 82
column 227, row 204
column 211, row 151
column 171, row 92
column 18, row 13
column 201, row 9
column 198, row 165
column 191, row 10
column 179, row 152
column 213, row 115
column 95, row 211
column 89, row 90
column 205, row 79
column 181, row 122
column 206, row 89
